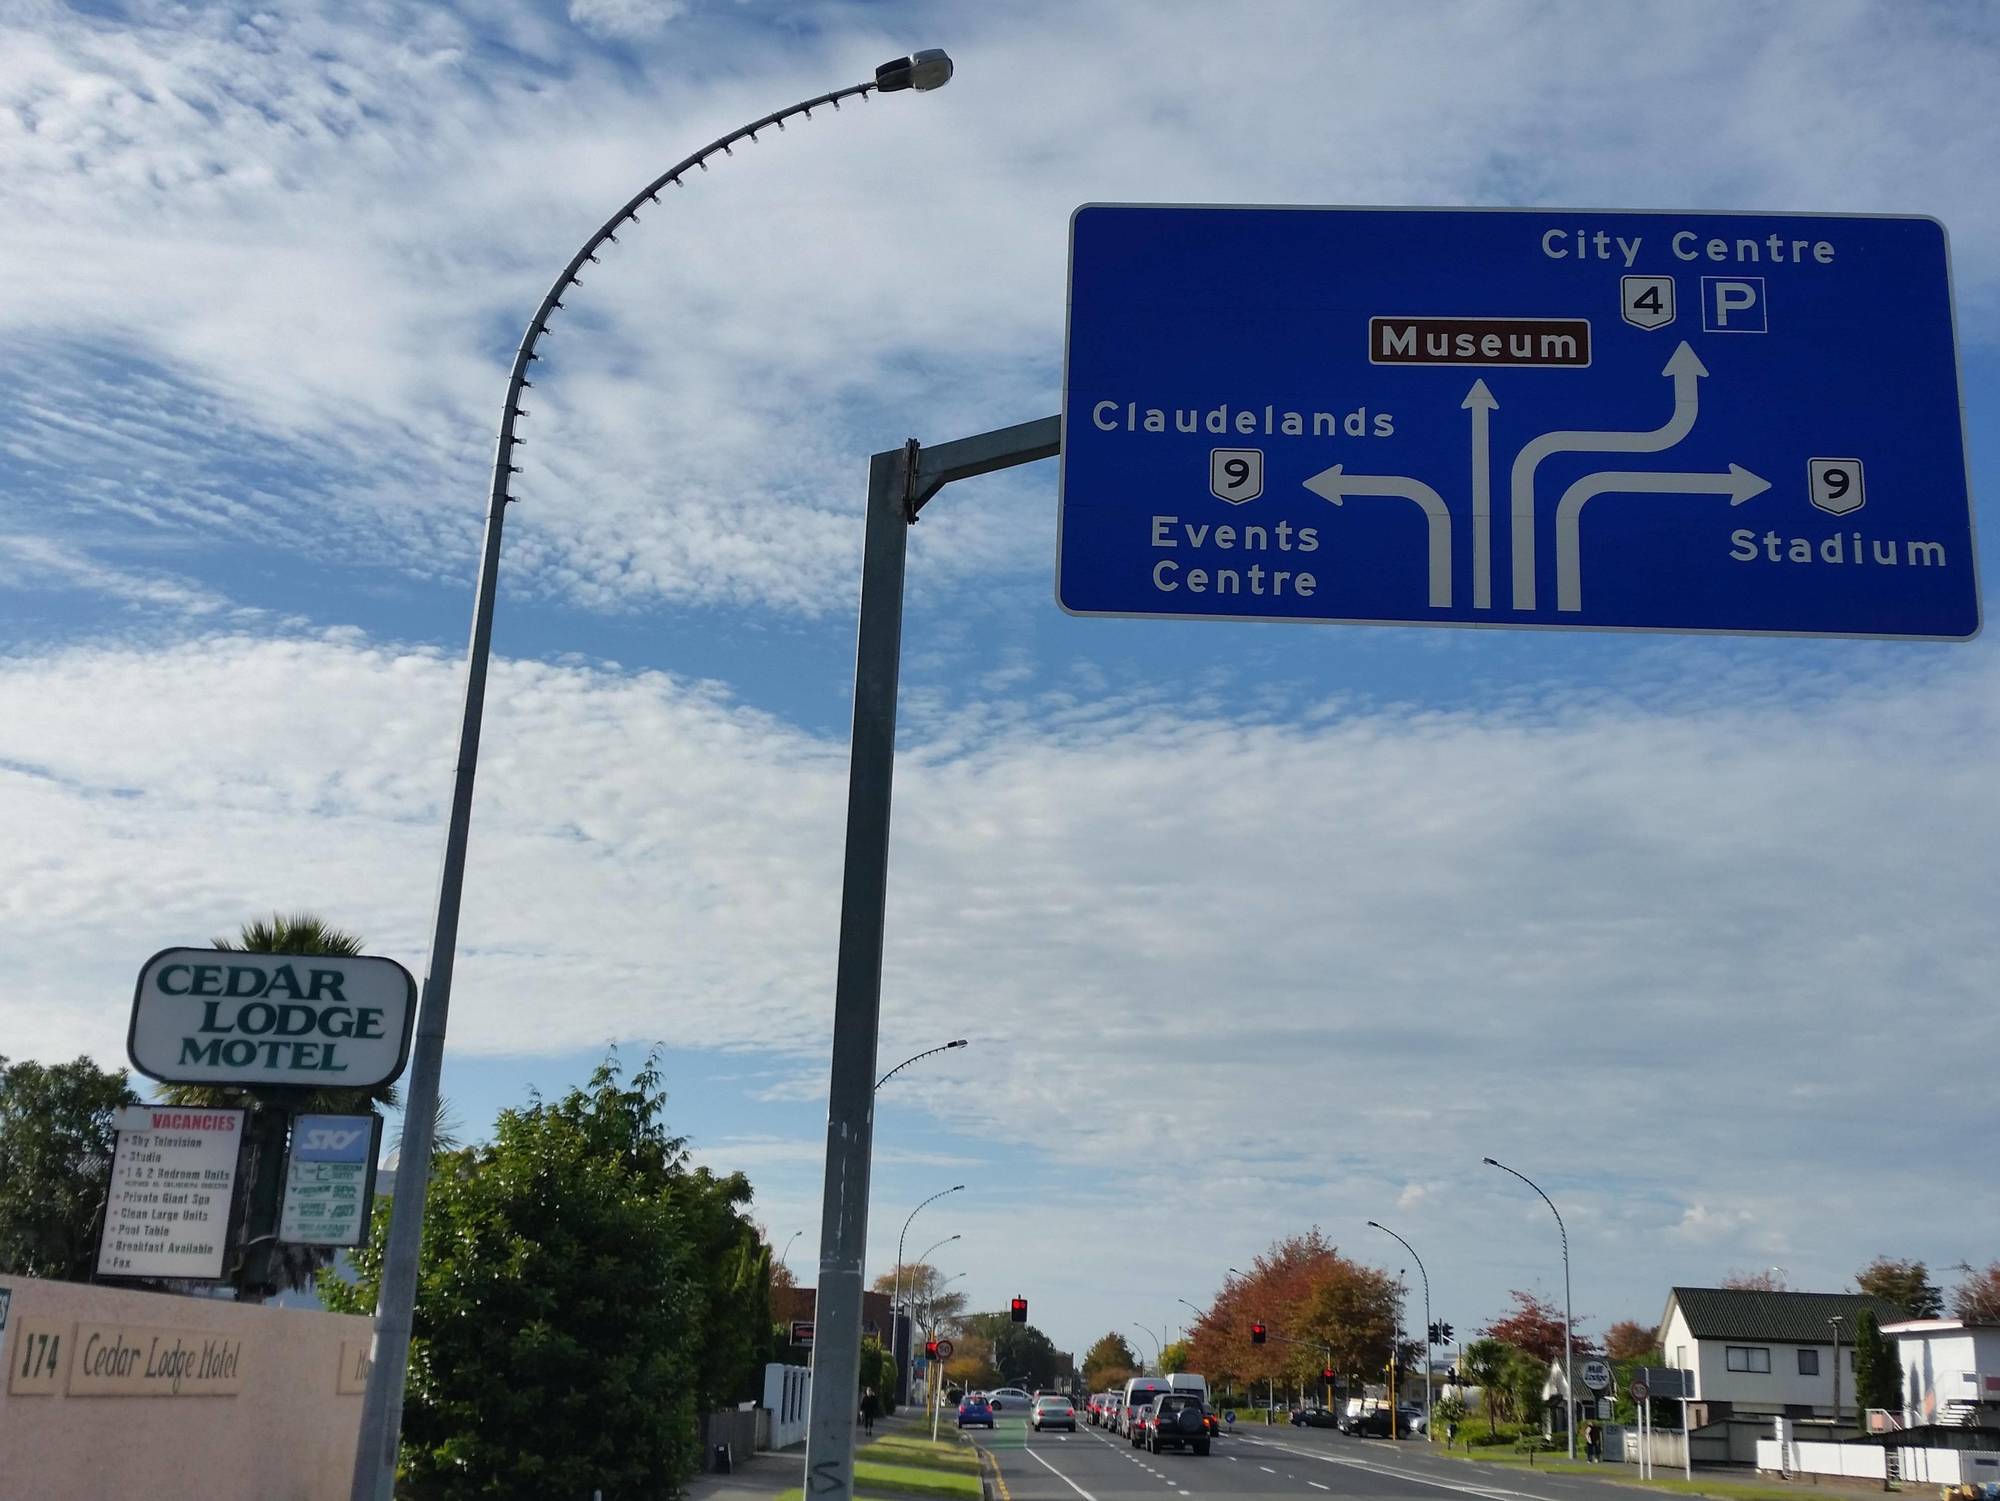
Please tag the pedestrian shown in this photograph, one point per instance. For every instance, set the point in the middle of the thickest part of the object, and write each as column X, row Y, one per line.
column 1450, row 1431
column 870, row 1405
column 1593, row 1443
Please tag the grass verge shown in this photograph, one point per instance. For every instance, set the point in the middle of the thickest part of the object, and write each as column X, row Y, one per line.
column 897, row 1467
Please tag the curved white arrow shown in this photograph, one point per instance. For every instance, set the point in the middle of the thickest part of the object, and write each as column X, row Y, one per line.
column 1479, row 401
column 1334, row 485
column 1739, row 484
column 1686, row 369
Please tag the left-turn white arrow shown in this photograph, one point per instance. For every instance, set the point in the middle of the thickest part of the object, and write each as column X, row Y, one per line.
column 1739, row 484
column 1335, row 485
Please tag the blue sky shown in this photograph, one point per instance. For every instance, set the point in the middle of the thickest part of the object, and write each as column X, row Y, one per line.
column 1696, row 931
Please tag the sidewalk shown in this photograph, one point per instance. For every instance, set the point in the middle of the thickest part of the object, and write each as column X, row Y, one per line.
column 756, row 1477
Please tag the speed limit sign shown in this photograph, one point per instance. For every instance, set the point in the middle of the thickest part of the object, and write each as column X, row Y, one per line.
column 944, row 1349
column 1638, row 1390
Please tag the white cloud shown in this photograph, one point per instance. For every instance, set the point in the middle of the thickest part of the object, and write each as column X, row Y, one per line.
column 625, row 19
column 1605, row 938
column 327, row 226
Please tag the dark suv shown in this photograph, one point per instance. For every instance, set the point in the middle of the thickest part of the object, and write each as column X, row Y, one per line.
column 1176, row 1423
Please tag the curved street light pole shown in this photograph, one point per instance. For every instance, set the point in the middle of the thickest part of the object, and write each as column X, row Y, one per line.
column 1569, row 1344
column 382, row 1406
column 956, row 1042
column 1377, row 1225
column 896, row 1301
column 788, row 1248
column 1159, row 1349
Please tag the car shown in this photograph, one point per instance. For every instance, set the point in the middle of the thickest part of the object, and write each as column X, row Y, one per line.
column 1108, row 1409
column 1138, row 1390
column 1136, row 1420
column 1315, row 1417
column 1052, row 1412
column 1010, row 1399
column 1174, row 1421
column 1411, row 1420
column 974, row 1410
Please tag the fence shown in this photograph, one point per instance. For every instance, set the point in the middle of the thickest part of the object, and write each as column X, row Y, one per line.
column 1869, row 1462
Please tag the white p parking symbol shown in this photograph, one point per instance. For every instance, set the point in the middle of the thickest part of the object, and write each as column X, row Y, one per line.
column 1733, row 305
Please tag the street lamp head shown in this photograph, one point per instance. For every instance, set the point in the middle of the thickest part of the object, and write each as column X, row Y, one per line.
column 923, row 71
column 1489, row 1162
column 957, row 1042
column 1372, row 1225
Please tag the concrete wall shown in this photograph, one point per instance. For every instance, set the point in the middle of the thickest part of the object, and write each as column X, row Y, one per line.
column 787, row 1395
column 113, row 1393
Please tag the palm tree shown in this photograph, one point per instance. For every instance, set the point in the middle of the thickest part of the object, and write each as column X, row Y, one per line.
column 283, row 933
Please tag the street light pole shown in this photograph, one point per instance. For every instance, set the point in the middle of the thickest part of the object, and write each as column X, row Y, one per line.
column 901, row 482
column 1376, row 1225
column 1569, row 1344
column 945, row 1047
column 896, row 1301
column 1836, row 1321
column 389, row 1353
column 788, row 1248
column 1159, row 1348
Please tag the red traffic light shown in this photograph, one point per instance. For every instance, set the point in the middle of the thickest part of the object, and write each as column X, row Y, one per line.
column 1256, row 1334
column 1020, row 1310
column 1326, row 1374
column 930, row 1348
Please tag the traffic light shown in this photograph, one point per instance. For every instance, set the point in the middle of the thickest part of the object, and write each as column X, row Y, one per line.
column 1020, row 1310
column 1440, row 1333
column 930, row 1348
column 1256, row 1334
column 1326, row 1375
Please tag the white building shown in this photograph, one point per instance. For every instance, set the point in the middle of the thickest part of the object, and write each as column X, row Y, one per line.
column 1767, row 1353
column 1951, row 1372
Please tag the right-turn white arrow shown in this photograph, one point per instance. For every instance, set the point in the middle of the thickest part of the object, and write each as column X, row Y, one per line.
column 1739, row 484
column 1685, row 369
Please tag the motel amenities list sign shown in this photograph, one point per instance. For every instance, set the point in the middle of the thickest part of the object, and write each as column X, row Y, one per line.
column 1744, row 423
column 173, row 1176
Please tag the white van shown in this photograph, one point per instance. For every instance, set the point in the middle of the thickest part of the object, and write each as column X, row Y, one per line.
column 1188, row 1381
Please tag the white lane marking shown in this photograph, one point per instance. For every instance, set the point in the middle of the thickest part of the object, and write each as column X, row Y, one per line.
column 1060, row 1476
column 1490, row 1492
column 1267, row 1469
column 1317, row 1486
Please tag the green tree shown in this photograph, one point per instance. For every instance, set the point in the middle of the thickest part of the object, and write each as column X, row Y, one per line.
column 1021, row 1353
column 1907, row 1284
column 1878, row 1375
column 1524, row 1374
column 1485, row 1365
column 1177, row 1356
column 582, row 1295
column 1447, row 1412
column 56, row 1140
column 1110, row 1353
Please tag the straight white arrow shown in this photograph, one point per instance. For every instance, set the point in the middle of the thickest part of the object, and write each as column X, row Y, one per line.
column 1479, row 401
column 1334, row 485
column 1739, row 484
column 1686, row 369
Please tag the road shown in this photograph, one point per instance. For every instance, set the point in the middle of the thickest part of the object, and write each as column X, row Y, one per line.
column 1259, row 1464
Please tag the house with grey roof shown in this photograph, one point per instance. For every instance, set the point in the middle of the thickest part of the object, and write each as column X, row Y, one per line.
column 1767, row 1353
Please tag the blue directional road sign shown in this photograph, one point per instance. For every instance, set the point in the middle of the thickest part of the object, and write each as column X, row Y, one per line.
column 1544, row 418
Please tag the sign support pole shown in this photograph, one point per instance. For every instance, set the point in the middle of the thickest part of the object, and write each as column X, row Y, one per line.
column 900, row 482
